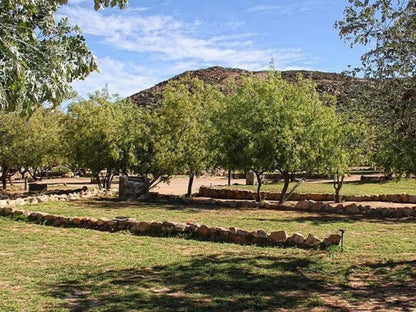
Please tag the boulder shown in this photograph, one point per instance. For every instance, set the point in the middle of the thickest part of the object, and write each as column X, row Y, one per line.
column 317, row 206
column 202, row 230
column 351, row 209
column 304, row 205
column 140, row 227
column 297, row 239
column 332, row 239
column 260, row 234
column 278, row 237
column 312, row 240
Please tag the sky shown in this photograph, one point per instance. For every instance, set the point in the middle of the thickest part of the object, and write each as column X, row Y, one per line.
column 152, row 41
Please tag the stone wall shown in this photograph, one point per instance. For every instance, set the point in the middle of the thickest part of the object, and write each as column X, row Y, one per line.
column 132, row 187
column 227, row 193
column 185, row 230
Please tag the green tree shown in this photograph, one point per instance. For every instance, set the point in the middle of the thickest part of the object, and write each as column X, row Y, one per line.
column 39, row 56
column 30, row 142
column 388, row 28
column 270, row 124
column 102, row 134
column 182, row 128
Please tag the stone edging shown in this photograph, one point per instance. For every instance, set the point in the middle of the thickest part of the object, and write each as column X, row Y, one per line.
column 303, row 205
column 188, row 230
column 226, row 193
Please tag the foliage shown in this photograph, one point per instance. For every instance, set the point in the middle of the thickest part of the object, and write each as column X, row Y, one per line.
column 101, row 3
column 388, row 27
column 39, row 56
column 269, row 124
column 181, row 128
column 102, row 133
column 32, row 141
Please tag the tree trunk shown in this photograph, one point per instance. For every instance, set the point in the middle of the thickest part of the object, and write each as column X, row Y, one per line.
column 98, row 181
column 286, row 178
column 259, row 184
column 108, row 179
column 337, row 186
column 191, row 181
column 5, row 170
column 229, row 177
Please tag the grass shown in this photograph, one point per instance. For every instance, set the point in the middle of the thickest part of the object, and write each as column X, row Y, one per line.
column 60, row 269
column 349, row 188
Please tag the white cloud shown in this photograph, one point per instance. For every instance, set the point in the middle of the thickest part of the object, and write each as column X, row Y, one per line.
column 122, row 78
column 264, row 8
column 171, row 40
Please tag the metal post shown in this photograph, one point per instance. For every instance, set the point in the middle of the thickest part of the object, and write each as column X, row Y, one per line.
column 342, row 239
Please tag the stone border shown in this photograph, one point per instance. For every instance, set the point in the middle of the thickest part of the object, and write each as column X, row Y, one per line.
column 166, row 229
column 302, row 205
column 227, row 193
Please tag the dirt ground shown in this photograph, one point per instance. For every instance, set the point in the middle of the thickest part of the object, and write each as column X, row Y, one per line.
column 178, row 186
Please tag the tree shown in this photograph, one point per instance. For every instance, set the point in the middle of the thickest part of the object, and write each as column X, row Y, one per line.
column 182, row 128
column 30, row 142
column 102, row 134
column 270, row 124
column 39, row 56
column 389, row 28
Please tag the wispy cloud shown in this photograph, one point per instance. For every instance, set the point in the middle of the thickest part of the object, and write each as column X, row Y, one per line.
column 264, row 8
column 122, row 78
column 289, row 9
column 172, row 40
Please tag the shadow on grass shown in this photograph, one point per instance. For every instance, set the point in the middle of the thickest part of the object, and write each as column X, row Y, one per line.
column 214, row 283
column 391, row 285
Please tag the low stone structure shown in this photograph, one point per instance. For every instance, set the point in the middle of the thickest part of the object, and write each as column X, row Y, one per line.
column 227, row 193
column 132, row 187
column 187, row 230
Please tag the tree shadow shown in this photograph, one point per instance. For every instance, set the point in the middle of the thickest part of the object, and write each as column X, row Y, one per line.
column 213, row 283
column 390, row 285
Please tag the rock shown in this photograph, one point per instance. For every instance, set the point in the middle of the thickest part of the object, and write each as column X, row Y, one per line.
column 296, row 239
column 351, row 209
column 332, row 239
column 140, row 227
column 18, row 202
column 260, row 234
column 36, row 216
column 312, row 240
column 304, row 205
column 233, row 230
column 278, row 237
column 32, row 200
column 202, row 230
column 317, row 206
column 180, row 227
column 4, row 203
column 168, row 226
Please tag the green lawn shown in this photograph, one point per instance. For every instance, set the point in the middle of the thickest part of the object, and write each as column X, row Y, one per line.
column 349, row 188
column 59, row 269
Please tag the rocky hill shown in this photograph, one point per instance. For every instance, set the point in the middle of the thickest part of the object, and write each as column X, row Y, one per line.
column 335, row 84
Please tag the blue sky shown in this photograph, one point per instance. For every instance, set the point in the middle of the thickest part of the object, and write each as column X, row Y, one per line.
column 151, row 41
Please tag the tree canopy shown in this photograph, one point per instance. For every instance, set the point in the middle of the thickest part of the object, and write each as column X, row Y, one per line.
column 39, row 56
column 388, row 27
column 102, row 133
column 270, row 124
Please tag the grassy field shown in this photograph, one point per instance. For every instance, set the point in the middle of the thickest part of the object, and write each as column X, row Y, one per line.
column 349, row 188
column 59, row 269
